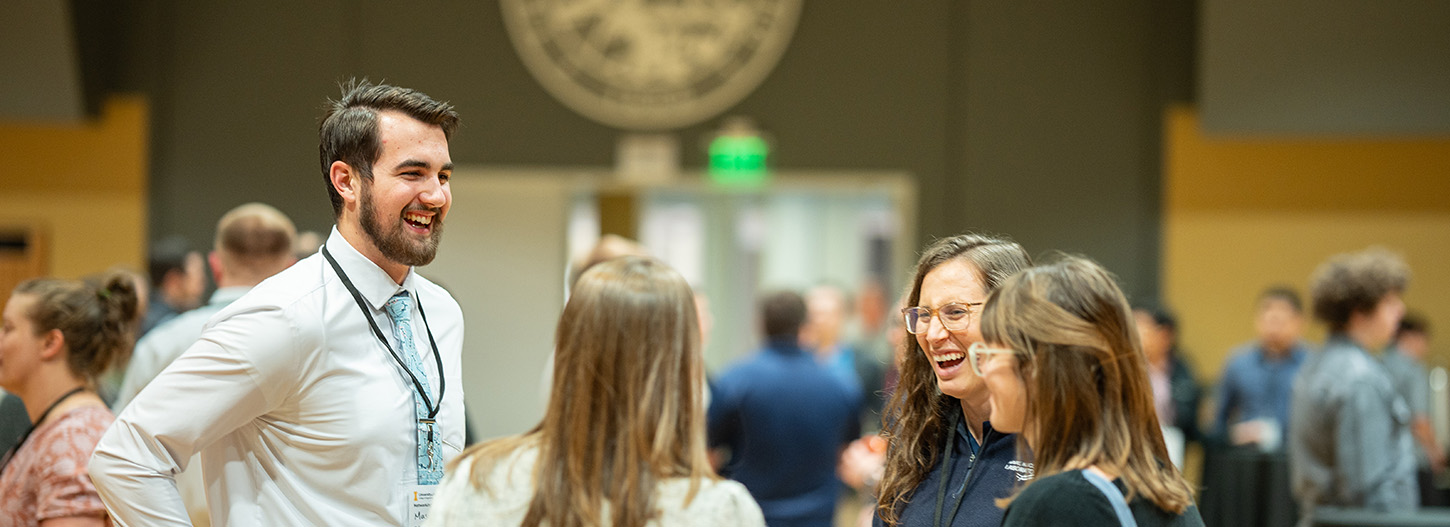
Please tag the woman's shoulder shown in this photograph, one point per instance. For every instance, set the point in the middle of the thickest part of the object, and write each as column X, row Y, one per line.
column 80, row 428
column 715, row 503
column 1065, row 498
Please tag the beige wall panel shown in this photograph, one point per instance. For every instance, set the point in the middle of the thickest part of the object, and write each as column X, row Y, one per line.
column 1216, row 263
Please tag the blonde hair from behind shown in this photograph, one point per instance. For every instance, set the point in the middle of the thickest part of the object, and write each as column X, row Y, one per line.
column 627, row 405
column 1089, row 401
column 255, row 241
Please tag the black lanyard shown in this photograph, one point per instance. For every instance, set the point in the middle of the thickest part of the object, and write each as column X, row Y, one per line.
column 947, row 469
column 367, row 313
column 11, row 455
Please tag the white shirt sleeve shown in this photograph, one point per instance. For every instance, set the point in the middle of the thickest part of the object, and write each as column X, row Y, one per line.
column 225, row 380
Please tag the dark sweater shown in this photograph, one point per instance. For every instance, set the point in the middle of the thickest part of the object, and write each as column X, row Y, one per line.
column 1068, row 499
column 974, row 481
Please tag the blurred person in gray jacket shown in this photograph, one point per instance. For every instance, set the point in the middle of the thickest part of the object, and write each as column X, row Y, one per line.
column 1350, row 443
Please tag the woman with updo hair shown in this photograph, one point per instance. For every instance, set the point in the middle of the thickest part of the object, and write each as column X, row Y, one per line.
column 57, row 337
column 1061, row 358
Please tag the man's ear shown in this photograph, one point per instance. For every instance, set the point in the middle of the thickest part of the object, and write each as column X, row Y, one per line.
column 215, row 259
column 346, row 180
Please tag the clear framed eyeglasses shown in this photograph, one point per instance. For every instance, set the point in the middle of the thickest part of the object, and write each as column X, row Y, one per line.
column 954, row 316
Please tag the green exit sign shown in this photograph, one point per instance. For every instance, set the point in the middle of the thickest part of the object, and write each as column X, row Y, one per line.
column 738, row 159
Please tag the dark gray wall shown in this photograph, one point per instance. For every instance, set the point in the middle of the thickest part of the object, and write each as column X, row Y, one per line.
column 1326, row 69
column 1057, row 126
column 1040, row 120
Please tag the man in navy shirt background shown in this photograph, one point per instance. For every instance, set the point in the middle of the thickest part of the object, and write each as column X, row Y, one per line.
column 785, row 418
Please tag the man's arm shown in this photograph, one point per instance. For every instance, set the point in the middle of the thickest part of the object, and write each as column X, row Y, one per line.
column 239, row 370
column 1226, row 400
column 1363, row 451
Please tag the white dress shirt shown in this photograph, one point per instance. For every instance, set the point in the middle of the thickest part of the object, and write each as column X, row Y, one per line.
column 300, row 414
column 165, row 343
column 153, row 353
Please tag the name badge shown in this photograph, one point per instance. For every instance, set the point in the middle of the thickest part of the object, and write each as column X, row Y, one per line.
column 419, row 500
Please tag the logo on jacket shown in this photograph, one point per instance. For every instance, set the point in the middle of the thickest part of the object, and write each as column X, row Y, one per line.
column 1023, row 470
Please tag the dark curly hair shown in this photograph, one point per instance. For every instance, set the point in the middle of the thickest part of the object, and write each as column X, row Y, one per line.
column 1355, row 283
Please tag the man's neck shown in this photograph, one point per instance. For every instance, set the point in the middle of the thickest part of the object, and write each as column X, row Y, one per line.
column 1363, row 337
column 1275, row 352
column 352, row 231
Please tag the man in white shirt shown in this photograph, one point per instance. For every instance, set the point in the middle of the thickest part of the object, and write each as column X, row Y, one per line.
column 253, row 242
column 330, row 393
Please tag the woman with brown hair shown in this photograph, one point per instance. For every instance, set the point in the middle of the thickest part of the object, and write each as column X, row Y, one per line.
column 57, row 338
column 945, row 464
column 1067, row 374
column 622, row 442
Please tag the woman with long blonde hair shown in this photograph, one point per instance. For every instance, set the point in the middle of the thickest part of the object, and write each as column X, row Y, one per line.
column 1066, row 372
column 622, row 442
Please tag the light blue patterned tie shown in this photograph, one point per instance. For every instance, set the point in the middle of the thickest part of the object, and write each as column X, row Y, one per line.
column 400, row 308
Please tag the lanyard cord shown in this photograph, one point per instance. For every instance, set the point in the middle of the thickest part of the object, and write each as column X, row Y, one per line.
column 947, row 468
column 11, row 455
column 362, row 304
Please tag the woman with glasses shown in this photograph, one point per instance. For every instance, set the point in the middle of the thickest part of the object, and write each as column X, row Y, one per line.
column 946, row 465
column 56, row 338
column 1067, row 375
column 622, row 442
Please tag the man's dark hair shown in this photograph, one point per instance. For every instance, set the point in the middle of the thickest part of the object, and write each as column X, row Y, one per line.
column 1413, row 323
column 1355, row 283
column 166, row 255
column 782, row 313
column 349, row 130
column 1285, row 293
column 1161, row 315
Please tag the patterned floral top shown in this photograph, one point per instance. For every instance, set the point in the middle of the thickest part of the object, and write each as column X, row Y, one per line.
column 47, row 479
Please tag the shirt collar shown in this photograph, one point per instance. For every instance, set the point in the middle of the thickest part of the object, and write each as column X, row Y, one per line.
column 369, row 279
column 227, row 295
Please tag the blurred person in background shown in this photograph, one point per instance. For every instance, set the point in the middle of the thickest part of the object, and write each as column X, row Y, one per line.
column 1253, row 393
column 946, row 464
column 1066, row 374
column 622, row 442
column 56, row 338
column 1405, row 362
column 874, row 349
column 784, row 419
column 253, row 242
column 824, row 331
column 1349, row 439
column 178, row 279
column 1176, row 392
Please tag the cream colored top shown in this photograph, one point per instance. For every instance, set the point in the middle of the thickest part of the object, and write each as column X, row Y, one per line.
column 510, row 488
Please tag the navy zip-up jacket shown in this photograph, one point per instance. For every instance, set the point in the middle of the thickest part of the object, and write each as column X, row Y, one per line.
column 975, row 481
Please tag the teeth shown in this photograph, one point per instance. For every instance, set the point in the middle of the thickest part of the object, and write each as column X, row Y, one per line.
column 950, row 356
column 418, row 218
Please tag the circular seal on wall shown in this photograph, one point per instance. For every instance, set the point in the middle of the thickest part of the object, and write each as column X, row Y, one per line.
column 650, row 64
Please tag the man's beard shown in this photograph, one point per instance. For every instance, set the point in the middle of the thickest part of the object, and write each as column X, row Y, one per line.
column 392, row 241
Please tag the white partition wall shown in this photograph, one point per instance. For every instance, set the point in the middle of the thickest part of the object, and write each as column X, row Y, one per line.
column 510, row 234
column 502, row 257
